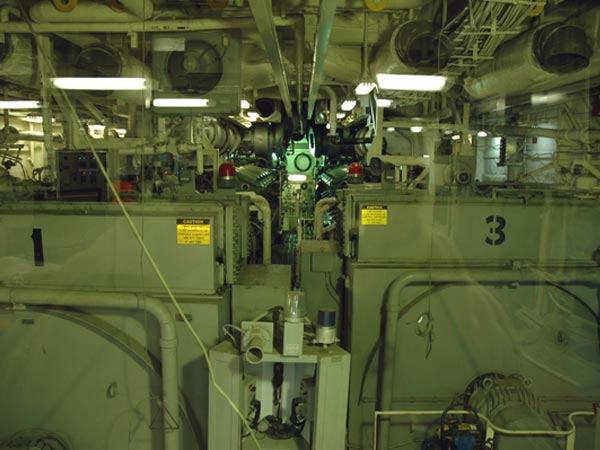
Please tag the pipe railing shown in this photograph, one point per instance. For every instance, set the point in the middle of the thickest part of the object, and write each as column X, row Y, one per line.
column 264, row 208
column 121, row 301
column 395, row 305
column 492, row 428
column 321, row 208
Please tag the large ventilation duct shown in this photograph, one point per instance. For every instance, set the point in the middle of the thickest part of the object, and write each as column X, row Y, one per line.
column 16, row 60
column 200, row 65
column 414, row 47
column 90, row 12
column 102, row 60
column 537, row 56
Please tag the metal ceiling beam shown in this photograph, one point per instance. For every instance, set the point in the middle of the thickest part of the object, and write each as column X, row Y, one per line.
column 263, row 15
column 326, row 15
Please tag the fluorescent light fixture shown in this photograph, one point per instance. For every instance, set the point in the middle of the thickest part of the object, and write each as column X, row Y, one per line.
column 384, row 102
column 455, row 137
column 20, row 104
column 396, row 82
column 35, row 119
column 244, row 104
column 348, row 105
column 426, row 156
column 181, row 102
column 100, row 84
column 365, row 88
column 296, row 178
column 96, row 127
column 547, row 98
column 340, row 115
column 416, row 129
column 482, row 133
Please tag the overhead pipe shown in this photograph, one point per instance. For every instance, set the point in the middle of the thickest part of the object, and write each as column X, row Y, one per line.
column 263, row 15
column 86, row 12
column 141, row 8
column 264, row 208
column 321, row 208
column 569, row 135
column 120, row 301
column 326, row 16
column 544, row 54
column 395, row 305
column 155, row 26
column 413, row 47
column 299, row 36
column 17, row 61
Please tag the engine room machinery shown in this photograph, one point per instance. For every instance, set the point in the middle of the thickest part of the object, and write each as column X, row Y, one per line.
column 300, row 224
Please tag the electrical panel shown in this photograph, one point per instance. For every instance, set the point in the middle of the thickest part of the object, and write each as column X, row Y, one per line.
column 80, row 178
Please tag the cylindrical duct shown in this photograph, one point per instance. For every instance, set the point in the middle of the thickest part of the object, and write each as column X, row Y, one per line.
column 16, row 60
column 266, row 139
column 414, row 47
column 101, row 60
column 530, row 59
column 223, row 136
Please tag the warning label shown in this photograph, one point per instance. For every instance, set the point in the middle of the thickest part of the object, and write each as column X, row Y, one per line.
column 374, row 215
column 193, row 232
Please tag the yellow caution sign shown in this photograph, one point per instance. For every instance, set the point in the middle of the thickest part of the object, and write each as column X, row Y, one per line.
column 374, row 215
column 193, row 232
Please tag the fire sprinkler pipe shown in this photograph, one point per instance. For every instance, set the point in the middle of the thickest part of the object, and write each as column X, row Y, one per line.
column 321, row 208
column 264, row 208
column 120, row 301
column 395, row 304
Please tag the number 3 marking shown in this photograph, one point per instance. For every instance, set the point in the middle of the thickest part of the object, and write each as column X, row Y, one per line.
column 501, row 221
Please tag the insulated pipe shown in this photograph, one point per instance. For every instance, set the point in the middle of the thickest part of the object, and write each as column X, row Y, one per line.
column 321, row 208
column 395, row 305
column 264, row 208
column 86, row 12
column 333, row 106
column 141, row 8
column 571, row 135
column 110, row 300
column 299, row 38
column 87, row 25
